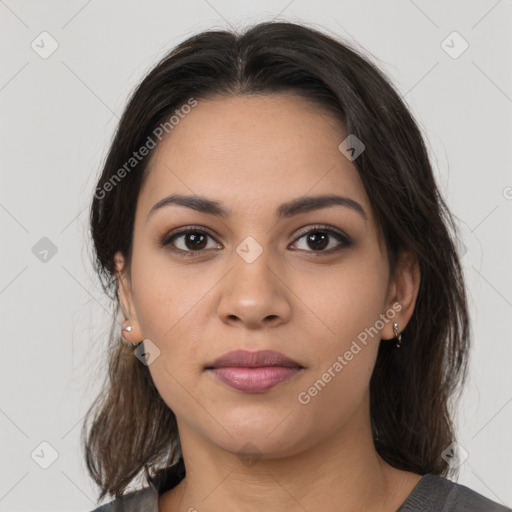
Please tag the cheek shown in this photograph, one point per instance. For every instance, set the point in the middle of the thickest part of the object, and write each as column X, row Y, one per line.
column 337, row 399
column 170, row 310
column 165, row 294
column 345, row 356
column 345, row 300
column 349, row 304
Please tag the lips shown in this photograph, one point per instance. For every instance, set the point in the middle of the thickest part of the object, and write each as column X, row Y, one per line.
column 253, row 359
column 253, row 372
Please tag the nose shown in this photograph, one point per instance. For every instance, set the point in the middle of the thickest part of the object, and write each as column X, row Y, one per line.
column 254, row 295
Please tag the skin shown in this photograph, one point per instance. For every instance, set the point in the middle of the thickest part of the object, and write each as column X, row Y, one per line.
column 252, row 154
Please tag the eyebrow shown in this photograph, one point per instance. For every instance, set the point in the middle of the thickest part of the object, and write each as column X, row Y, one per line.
column 286, row 210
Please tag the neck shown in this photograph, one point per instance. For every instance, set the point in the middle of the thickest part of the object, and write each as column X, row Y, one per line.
column 343, row 473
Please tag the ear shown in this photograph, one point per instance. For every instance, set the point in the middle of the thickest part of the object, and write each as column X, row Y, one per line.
column 403, row 290
column 126, row 299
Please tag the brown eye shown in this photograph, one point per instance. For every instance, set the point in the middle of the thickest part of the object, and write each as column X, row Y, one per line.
column 189, row 241
column 194, row 241
column 318, row 239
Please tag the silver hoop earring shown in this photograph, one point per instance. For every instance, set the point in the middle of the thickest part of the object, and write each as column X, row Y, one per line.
column 398, row 335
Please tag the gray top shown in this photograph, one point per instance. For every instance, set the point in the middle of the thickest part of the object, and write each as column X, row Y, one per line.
column 431, row 494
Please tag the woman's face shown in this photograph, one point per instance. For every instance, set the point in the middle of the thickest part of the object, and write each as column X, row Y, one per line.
column 258, row 281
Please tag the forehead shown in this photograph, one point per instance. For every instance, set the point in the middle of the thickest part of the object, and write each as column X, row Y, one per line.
column 254, row 151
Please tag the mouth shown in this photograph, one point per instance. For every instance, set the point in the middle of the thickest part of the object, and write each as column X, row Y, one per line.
column 253, row 372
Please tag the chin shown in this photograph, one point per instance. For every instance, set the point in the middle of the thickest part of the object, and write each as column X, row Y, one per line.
column 263, row 435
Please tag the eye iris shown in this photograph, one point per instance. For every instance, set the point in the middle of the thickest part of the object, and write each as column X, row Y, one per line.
column 318, row 239
column 196, row 239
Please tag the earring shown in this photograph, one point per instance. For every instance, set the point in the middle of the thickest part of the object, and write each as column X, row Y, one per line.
column 398, row 335
column 129, row 328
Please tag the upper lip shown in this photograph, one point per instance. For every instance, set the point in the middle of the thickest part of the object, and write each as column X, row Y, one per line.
column 253, row 359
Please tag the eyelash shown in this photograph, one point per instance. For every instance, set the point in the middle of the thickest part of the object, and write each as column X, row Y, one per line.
column 170, row 237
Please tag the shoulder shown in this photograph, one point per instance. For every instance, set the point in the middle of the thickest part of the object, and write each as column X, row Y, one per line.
column 145, row 500
column 438, row 494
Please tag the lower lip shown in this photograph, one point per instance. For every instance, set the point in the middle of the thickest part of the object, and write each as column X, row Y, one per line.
column 254, row 380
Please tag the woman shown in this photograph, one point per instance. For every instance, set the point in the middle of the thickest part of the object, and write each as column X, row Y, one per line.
column 294, row 318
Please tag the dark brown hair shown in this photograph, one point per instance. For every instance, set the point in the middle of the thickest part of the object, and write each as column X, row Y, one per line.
column 132, row 431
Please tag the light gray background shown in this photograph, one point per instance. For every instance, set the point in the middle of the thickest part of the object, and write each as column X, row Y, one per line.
column 58, row 115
